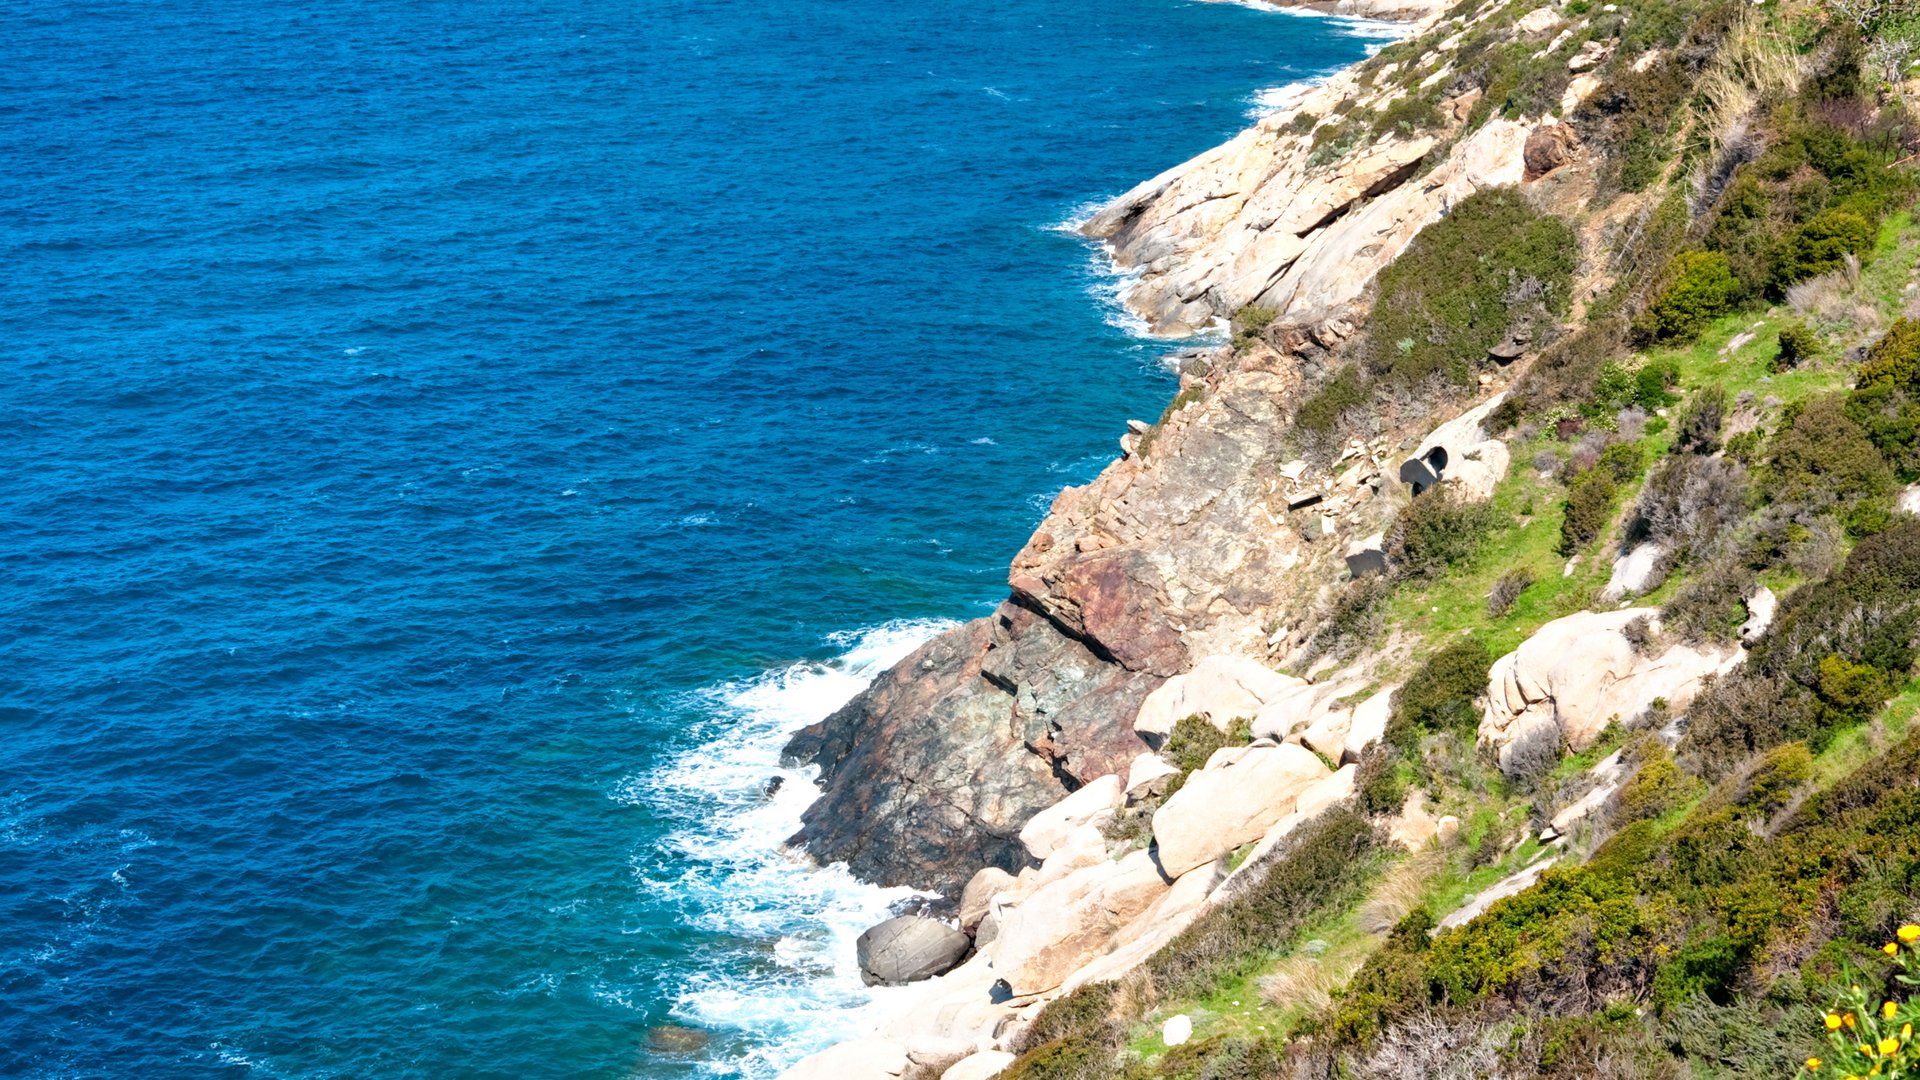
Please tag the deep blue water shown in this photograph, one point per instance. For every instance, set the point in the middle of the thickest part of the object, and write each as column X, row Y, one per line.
column 446, row 444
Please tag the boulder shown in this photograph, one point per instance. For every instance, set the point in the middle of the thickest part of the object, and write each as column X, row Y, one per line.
column 1760, row 610
column 1459, row 452
column 1149, row 931
column 1218, row 809
column 907, row 949
column 938, row 1053
column 1367, row 556
column 1368, row 724
column 1537, row 21
column 1549, row 146
column 1084, row 846
column 859, row 1059
column 981, row 888
column 1148, row 775
column 1220, row 688
column 1288, row 712
column 1327, row 791
column 1327, row 735
column 1068, row 923
column 1578, row 673
column 1636, row 571
column 980, row 1066
column 1093, row 804
column 1908, row 501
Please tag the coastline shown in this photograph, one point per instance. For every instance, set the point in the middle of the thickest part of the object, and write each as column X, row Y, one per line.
column 1116, row 280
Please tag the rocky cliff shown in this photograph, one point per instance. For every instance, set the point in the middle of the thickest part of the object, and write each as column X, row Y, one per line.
column 1200, row 538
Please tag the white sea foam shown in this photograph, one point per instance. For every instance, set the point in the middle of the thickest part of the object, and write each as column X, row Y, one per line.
column 794, row 986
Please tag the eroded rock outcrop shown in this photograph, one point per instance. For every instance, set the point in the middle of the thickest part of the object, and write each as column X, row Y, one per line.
column 1576, row 674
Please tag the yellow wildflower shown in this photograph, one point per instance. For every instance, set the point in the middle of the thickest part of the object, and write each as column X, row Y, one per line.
column 1833, row 1022
column 1847, row 1019
column 1813, row 1063
column 1909, row 933
column 1890, row 949
column 1887, row 1009
column 1906, row 1032
column 1888, row 1046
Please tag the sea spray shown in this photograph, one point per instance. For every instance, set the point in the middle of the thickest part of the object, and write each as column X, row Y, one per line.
column 788, row 984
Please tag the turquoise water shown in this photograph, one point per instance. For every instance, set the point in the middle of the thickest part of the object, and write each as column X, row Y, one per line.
column 447, row 445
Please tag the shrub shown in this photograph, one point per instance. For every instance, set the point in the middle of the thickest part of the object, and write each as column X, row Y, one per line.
column 1506, row 591
column 1410, row 113
column 1700, row 288
column 1710, row 606
column 1885, row 402
column 1655, row 788
column 1465, row 281
column 1819, row 246
column 1439, row 531
column 1321, row 412
column 1249, row 322
column 1795, row 345
column 1821, row 456
column 1697, row 429
column 1321, row 862
column 1691, row 505
column 1440, row 695
column 1378, row 782
column 1194, row 739
column 1588, row 505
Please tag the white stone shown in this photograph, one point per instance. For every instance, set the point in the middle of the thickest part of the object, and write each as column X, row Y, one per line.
column 1217, row 810
column 980, row 1066
column 1578, row 673
column 1761, row 607
column 1093, row 804
column 1537, row 21
column 1635, row 572
column 1220, row 688
column 982, row 887
column 1514, row 884
column 1177, row 1030
column 1146, row 771
column 1368, row 725
column 1070, row 922
column 859, row 1059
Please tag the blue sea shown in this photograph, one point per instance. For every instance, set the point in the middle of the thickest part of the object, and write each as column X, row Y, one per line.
column 447, row 446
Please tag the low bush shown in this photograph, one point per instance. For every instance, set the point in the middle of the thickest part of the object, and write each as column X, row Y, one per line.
column 1507, row 591
column 1195, row 738
column 1819, row 245
column 1796, row 344
column 1885, row 402
column 1820, row 457
column 1700, row 287
column 1319, row 864
column 1439, row 531
column 1378, row 783
column 1697, row 429
column 1493, row 263
column 1321, row 412
column 1691, row 505
column 1837, row 649
column 1440, row 694
column 1588, row 507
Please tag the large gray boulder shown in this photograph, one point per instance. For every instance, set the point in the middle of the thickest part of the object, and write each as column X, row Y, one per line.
column 907, row 949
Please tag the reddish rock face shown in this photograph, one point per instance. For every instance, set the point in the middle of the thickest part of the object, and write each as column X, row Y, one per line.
column 929, row 774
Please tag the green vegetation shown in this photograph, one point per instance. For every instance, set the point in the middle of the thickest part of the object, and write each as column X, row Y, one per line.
column 1738, row 885
column 1494, row 264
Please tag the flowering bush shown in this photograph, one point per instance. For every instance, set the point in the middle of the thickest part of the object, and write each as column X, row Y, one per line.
column 1865, row 1041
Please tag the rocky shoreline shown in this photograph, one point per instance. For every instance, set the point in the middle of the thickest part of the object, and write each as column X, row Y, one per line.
column 999, row 764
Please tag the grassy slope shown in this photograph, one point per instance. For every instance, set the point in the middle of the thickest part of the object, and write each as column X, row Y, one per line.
column 1429, row 613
